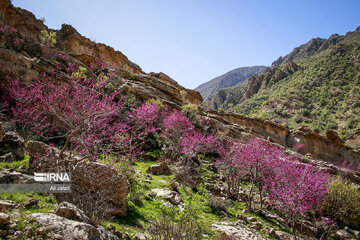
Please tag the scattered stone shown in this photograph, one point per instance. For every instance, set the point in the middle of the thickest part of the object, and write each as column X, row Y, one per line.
column 32, row 203
column 6, row 205
column 342, row 234
column 163, row 181
column 228, row 230
column 106, row 235
column 256, row 225
column 4, row 219
column 161, row 168
column 251, row 219
column 70, row 211
column 18, row 234
column 172, row 196
column 140, row 236
column 12, row 142
column 67, row 228
column 8, row 157
column 284, row 235
column 241, row 217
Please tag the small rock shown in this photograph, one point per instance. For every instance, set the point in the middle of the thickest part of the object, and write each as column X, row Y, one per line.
column 32, row 203
column 6, row 205
column 241, row 217
column 70, row 211
column 140, row 236
column 163, row 181
column 342, row 234
column 161, row 168
column 172, row 196
column 257, row 225
column 4, row 219
column 119, row 234
column 18, row 234
column 284, row 235
column 251, row 219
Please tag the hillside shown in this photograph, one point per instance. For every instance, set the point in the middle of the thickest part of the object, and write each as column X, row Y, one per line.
column 228, row 79
column 316, row 85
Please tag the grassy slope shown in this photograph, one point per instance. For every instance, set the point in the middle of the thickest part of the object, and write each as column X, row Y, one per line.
column 323, row 94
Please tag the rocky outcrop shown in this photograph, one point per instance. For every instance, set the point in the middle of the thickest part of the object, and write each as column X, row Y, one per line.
column 29, row 58
column 6, row 206
column 329, row 148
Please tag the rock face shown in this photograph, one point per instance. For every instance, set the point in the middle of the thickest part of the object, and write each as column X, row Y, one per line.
column 12, row 142
column 6, row 205
column 228, row 79
column 68, row 229
column 161, row 168
column 236, row 231
column 329, row 148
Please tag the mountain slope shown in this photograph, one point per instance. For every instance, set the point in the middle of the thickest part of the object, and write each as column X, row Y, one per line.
column 228, row 79
column 319, row 88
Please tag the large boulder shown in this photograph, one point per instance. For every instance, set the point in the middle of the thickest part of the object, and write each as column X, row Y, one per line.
column 6, row 206
column 161, row 168
column 68, row 229
column 12, row 142
column 96, row 187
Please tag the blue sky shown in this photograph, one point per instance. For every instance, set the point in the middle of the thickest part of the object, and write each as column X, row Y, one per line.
column 194, row 41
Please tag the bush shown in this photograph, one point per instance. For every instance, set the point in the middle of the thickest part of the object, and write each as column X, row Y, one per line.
column 48, row 38
column 176, row 224
column 218, row 205
column 343, row 202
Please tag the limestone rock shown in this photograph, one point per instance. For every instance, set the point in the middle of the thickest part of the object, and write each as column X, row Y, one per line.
column 6, row 205
column 161, row 168
column 70, row 211
column 171, row 196
column 239, row 232
column 12, row 142
column 68, row 229
column 4, row 219
column 342, row 234
column 106, row 235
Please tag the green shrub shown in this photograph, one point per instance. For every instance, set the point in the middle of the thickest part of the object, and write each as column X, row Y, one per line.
column 190, row 110
column 343, row 202
column 48, row 38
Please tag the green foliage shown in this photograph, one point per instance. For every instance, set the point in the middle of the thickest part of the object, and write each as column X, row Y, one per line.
column 48, row 38
column 190, row 111
column 343, row 202
column 157, row 102
column 20, row 163
column 322, row 94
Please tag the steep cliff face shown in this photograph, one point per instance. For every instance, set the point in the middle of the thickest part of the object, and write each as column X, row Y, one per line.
column 27, row 60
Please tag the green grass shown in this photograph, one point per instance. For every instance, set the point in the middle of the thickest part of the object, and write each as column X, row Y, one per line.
column 17, row 164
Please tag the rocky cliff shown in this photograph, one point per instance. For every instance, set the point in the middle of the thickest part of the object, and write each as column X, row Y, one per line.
column 33, row 57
